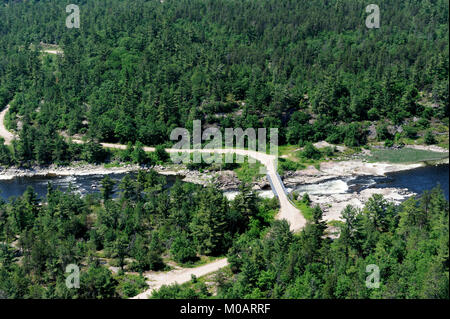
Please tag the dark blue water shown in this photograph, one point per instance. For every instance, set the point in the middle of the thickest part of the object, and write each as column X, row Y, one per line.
column 419, row 180
column 416, row 180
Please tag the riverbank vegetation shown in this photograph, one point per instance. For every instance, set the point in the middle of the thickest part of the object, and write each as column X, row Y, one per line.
column 146, row 228
column 304, row 205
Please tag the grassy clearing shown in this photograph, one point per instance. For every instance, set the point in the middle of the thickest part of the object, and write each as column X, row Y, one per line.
column 335, row 223
column 288, row 151
column 306, row 210
column 405, row 155
column 247, row 172
column 114, row 164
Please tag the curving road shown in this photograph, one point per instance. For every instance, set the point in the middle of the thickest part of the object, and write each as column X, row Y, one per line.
column 157, row 279
column 287, row 210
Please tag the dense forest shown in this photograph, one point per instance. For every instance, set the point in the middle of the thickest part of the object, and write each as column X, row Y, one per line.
column 409, row 244
column 145, row 227
column 136, row 69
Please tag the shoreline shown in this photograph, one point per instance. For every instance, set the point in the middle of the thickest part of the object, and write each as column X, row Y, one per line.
column 73, row 170
column 227, row 179
column 332, row 204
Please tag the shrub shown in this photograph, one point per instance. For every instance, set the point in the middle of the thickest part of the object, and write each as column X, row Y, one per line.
column 183, row 249
column 311, row 152
column 388, row 143
column 383, row 132
column 161, row 154
column 410, row 131
column 306, row 199
column 429, row 138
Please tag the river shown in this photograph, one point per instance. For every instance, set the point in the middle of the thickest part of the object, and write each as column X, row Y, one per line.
column 83, row 184
column 416, row 180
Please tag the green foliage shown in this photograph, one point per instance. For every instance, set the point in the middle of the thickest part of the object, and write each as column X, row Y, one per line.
column 138, row 155
column 107, row 187
column 150, row 69
column 388, row 143
column 161, row 154
column 383, row 132
column 6, row 157
column 429, row 138
column 97, row 283
column 248, row 172
column 131, row 285
column 133, row 231
column 408, row 242
column 306, row 199
column 410, row 131
column 310, row 152
column 305, row 207
column 132, row 79
column 209, row 224
column 183, row 249
column 288, row 165
column 93, row 152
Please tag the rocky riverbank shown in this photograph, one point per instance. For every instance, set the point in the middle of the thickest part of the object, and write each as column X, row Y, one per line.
column 333, row 204
column 76, row 169
column 335, row 197
column 335, row 169
column 225, row 180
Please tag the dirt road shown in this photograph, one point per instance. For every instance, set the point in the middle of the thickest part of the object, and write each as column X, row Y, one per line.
column 287, row 210
column 50, row 51
column 180, row 276
column 7, row 135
